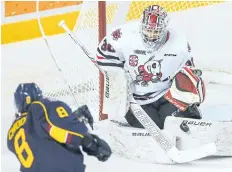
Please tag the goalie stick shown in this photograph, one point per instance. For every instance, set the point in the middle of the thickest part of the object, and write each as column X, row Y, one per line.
column 52, row 54
column 173, row 153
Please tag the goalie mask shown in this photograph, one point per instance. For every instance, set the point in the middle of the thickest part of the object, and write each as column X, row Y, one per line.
column 154, row 21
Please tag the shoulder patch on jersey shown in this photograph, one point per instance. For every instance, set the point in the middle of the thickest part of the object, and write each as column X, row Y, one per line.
column 116, row 34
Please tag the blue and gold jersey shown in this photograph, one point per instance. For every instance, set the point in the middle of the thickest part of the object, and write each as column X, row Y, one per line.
column 40, row 138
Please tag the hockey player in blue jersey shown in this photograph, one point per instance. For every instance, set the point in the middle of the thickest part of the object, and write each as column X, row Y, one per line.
column 46, row 135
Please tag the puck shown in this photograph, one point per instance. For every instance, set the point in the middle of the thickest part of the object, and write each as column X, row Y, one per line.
column 184, row 127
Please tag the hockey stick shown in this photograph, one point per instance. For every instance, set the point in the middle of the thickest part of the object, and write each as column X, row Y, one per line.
column 84, row 118
column 173, row 153
column 52, row 54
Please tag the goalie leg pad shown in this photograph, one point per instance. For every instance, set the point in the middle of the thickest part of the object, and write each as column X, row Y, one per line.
column 133, row 143
column 201, row 132
column 165, row 109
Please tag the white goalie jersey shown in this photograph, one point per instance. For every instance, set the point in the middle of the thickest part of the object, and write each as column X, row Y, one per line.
column 151, row 72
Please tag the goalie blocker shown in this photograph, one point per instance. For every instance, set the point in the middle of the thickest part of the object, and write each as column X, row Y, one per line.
column 186, row 93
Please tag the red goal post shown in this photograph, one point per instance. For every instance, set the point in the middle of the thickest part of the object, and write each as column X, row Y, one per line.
column 91, row 28
column 102, row 20
column 102, row 34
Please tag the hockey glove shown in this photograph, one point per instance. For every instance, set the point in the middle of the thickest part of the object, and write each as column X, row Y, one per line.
column 187, row 89
column 83, row 114
column 94, row 146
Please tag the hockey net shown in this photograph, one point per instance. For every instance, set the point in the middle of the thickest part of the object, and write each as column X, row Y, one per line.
column 80, row 82
column 89, row 85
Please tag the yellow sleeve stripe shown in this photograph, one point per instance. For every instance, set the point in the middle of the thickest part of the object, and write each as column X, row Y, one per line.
column 25, row 113
column 57, row 133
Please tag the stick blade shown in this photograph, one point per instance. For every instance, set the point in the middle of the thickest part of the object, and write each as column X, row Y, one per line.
column 192, row 154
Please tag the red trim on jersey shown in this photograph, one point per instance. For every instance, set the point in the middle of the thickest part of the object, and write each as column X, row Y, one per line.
column 100, row 57
column 69, row 138
column 49, row 128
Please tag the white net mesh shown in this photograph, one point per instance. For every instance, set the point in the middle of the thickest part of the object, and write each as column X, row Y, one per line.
column 117, row 13
column 81, row 74
column 78, row 82
column 86, row 27
column 31, row 61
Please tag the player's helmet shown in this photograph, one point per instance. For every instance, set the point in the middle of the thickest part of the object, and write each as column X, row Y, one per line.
column 154, row 21
column 25, row 94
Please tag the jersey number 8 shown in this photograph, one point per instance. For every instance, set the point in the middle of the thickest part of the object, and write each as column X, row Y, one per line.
column 61, row 112
column 23, row 147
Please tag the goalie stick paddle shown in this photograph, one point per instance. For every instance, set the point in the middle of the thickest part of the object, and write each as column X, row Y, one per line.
column 173, row 153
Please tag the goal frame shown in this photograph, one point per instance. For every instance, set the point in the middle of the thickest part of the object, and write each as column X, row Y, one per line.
column 101, row 35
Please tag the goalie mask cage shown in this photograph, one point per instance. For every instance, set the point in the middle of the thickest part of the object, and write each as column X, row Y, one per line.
column 94, row 21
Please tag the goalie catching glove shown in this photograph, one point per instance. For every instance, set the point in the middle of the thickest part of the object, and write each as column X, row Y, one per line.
column 187, row 89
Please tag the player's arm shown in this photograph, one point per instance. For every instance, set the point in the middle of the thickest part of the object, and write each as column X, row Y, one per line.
column 58, row 122
column 64, row 126
column 109, row 53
